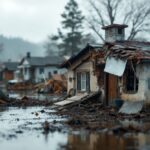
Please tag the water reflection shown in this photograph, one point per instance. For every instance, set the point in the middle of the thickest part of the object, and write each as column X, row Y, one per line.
column 33, row 95
column 103, row 141
column 13, row 120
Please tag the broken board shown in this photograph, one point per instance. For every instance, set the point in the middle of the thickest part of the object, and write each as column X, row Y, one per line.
column 131, row 107
column 70, row 100
column 75, row 99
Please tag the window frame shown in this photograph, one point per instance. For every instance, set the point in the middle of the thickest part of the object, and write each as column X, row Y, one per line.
column 41, row 70
column 83, row 81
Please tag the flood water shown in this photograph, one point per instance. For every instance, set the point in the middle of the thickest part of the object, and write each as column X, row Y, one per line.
column 22, row 129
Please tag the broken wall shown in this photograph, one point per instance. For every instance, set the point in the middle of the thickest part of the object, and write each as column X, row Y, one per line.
column 143, row 92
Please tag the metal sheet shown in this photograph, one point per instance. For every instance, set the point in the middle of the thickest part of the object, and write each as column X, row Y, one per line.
column 131, row 107
column 115, row 66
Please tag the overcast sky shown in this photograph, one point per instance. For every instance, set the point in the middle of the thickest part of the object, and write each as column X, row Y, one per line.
column 32, row 20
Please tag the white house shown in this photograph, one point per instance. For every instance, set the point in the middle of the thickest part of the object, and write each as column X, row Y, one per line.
column 39, row 68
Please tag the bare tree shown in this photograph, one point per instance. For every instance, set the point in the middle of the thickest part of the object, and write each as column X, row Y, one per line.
column 135, row 13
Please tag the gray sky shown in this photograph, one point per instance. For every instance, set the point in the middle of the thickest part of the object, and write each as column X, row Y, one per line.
column 32, row 20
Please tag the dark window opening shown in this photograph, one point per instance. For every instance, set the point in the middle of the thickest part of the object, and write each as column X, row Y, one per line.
column 120, row 31
column 131, row 81
column 55, row 71
column 25, row 70
column 50, row 75
column 110, row 32
column 41, row 70
column 149, row 83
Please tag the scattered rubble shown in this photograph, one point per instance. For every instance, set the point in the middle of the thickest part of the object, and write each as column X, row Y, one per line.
column 20, row 86
column 92, row 115
column 25, row 102
column 56, row 85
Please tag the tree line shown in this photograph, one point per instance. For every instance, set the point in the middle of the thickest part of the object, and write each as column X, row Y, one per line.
column 71, row 36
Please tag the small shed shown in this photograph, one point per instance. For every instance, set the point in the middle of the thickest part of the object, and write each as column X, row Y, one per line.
column 8, row 70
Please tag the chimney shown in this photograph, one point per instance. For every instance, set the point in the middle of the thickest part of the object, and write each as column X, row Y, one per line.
column 114, row 32
column 28, row 55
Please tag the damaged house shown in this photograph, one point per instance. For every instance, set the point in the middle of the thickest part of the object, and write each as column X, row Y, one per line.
column 81, row 75
column 127, row 67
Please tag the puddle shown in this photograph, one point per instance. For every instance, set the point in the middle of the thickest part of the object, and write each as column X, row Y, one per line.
column 21, row 129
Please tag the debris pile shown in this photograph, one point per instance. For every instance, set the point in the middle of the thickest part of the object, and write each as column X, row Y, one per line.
column 93, row 115
column 20, row 86
column 24, row 101
column 56, row 85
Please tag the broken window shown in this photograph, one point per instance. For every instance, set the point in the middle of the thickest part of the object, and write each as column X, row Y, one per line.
column 131, row 83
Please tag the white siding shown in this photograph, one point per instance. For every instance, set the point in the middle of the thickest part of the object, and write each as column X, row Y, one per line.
column 39, row 77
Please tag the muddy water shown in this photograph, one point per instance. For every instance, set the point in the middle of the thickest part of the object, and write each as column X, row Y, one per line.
column 22, row 129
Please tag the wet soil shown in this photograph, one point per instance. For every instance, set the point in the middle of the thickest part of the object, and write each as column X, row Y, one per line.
column 25, row 101
column 43, row 128
column 32, row 124
column 93, row 116
column 24, row 128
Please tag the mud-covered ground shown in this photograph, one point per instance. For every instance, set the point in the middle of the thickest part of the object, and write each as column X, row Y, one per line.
column 33, row 124
column 93, row 116
column 23, row 128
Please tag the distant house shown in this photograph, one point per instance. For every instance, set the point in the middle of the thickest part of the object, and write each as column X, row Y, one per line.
column 37, row 69
column 81, row 75
column 127, row 67
column 8, row 70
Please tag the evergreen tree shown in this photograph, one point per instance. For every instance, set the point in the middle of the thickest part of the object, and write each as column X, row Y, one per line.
column 70, row 36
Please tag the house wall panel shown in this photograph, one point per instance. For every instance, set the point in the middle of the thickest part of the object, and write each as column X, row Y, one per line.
column 70, row 83
column 47, row 70
column 8, row 75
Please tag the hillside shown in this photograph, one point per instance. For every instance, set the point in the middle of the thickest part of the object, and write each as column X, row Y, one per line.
column 16, row 48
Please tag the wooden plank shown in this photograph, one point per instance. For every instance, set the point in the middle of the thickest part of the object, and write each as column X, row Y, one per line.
column 70, row 100
column 73, row 100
